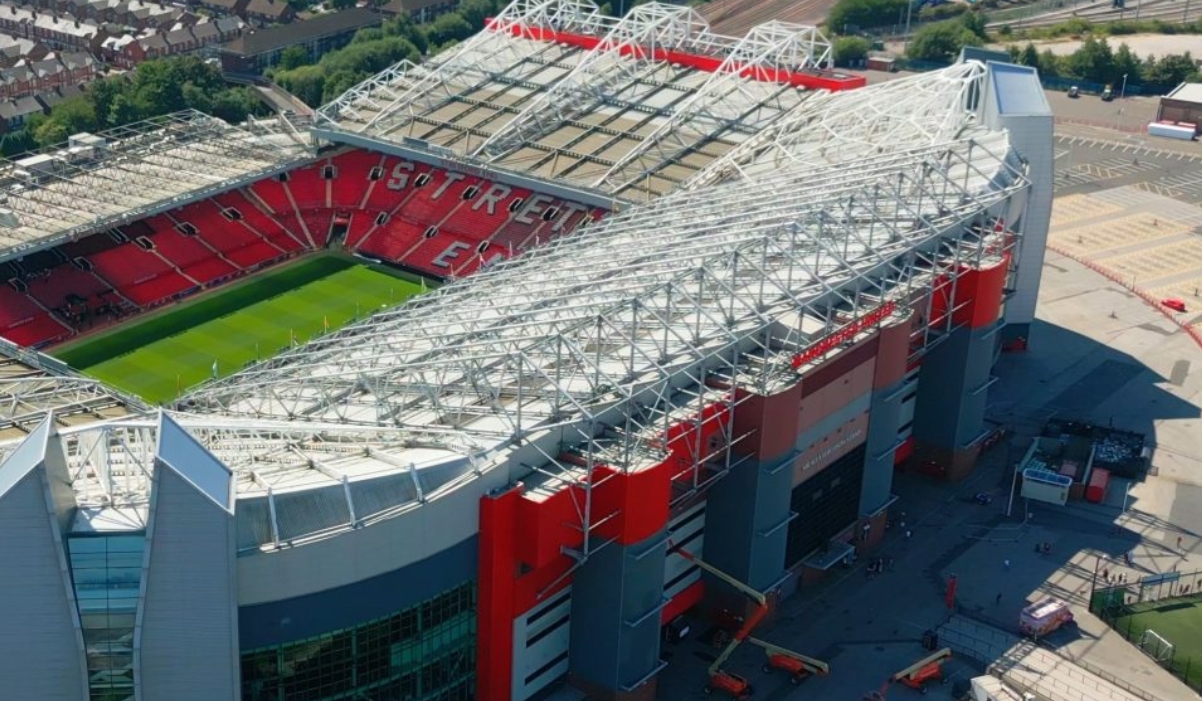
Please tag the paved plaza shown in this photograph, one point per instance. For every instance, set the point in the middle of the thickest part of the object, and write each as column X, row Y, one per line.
column 1100, row 353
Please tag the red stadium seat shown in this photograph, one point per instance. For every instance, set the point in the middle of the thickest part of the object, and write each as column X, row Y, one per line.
column 272, row 193
column 209, row 270
column 128, row 265
column 309, row 190
column 53, row 287
column 158, row 289
column 254, row 254
column 351, row 180
column 36, row 331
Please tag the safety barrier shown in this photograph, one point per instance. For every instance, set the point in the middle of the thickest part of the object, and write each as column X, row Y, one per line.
column 1149, row 299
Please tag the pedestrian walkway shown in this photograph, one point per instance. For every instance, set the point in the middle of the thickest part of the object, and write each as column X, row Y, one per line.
column 1029, row 667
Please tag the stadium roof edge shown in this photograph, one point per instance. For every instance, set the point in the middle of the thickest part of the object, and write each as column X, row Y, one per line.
column 137, row 171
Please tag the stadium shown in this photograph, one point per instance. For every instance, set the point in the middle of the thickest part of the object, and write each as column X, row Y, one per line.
column 748, row 286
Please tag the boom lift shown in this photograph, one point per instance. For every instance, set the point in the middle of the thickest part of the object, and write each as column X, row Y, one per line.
column 720, row 680
column 798, row 666
column 916, row 675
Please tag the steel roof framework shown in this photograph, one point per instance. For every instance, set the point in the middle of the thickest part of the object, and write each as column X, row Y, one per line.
column 727, row 102
column 144, row 168
column 604, row 118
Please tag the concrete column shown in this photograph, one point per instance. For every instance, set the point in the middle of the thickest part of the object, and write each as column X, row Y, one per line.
column 949, row 414
column 617, row 595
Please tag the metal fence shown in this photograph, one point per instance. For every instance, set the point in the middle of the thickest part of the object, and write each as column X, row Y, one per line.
column 1120, row 606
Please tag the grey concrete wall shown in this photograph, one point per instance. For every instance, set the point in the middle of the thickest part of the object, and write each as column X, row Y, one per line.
column 40, row 650
column 746, row 518
column 950, row 408
column 883, row 422
column 189, row 638
column 446, row 520
column 616, row 598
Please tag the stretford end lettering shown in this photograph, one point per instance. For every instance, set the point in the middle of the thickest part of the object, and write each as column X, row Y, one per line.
column 836, row 339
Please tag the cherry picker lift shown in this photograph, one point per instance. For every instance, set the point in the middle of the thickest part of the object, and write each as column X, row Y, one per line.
column 798, row 666
column 916, row 675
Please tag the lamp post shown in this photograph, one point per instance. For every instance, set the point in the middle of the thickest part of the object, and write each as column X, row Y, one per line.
column 1123, row 90
column 1013, row 489
column 906, row 38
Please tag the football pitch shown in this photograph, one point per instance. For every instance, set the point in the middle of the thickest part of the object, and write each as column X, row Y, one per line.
column 1180, row 622
column 161, row 356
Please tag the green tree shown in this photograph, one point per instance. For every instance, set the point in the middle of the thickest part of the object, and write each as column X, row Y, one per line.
column 448, row 28
column 339, row 82
column 1029, row 56
column 235, row 105
column 941, row 41
column 1093, row 61
column 14, row 143
column 476, row 11
column 850, row 49
column 1171, row 70
column 306, row 82
column 294, row 56
column 848, row 14
column 342, row 4
column 975, row 23
column 1126, row 63
column 1049, row 64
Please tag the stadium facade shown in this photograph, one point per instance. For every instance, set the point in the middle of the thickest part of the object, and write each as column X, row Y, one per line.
column 481, row 493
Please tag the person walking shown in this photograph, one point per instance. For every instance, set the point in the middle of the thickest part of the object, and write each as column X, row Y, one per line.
column 998, row 600
column 1006, row 564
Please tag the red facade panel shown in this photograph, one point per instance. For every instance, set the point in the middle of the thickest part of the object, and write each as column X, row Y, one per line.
column 631, row 507
column 892, row 353
column 546, row 523
column 495, row 596
column 686, row 599
column 979, row 295
column 769, row 421
column 835, row 395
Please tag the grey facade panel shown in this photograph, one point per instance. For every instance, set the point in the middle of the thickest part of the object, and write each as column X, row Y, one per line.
column 188, row 638
column 950, row 409
column 745, row 518
column 883, row 423
column 40, row 652
column 303, row 617
column 616, row 597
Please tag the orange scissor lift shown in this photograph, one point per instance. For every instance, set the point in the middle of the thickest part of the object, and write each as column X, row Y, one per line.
column 798, row 666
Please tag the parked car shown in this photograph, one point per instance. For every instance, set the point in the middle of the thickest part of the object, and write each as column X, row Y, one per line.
column 1108, row 93
column 1074, row 92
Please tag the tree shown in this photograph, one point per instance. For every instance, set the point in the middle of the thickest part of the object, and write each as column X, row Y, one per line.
column 342, row 4
column 235, row 105
column 294, row 56
column 975, row 23
column 1126, row 63
column 476, row 11
column 847, row 14
column 1049, row 64
column 850, row 49
column 448, row 28
column 1029, row 56
column 1170, row 70
column 306, row 82
column 941, row 41
column 1093, row 61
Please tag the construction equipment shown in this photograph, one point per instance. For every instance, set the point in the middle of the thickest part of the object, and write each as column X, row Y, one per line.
column 796, row 665
column 918, row 674
column 720, row 680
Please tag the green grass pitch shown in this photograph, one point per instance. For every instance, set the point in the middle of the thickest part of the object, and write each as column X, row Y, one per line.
column 1179, row 621
column 166, row 353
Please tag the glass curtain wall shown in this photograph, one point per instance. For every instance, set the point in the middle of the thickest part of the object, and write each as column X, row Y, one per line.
column 106, row 571
column 423, row 653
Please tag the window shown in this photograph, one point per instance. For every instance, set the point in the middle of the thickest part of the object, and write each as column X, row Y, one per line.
column 425, row 653
column 106, row 572
column 375, row 173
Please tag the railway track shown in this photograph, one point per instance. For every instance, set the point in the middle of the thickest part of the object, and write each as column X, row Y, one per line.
column 1101, row 11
